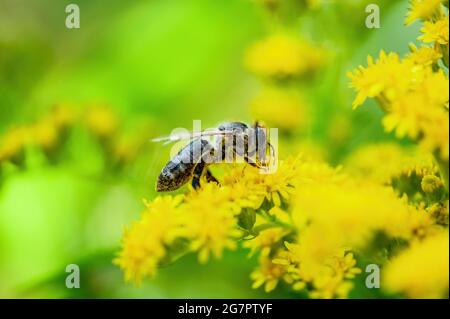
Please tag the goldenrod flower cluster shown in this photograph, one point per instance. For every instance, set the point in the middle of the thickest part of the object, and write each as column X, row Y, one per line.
column 120, row 147
column 413, row 90
column 387, row 162
column 414, row 97
column 308, row 222
column 410, row 271
column 283, row 60
column 48, row 133
column 282, row 56
column 51, row 131
column 313, row 227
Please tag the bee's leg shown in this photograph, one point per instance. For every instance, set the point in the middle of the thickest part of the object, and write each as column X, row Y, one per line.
column 210, row 178
column 251, row 163
column 198, row 170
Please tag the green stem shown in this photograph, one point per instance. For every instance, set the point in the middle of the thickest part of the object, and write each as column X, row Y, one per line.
column 262, row 227
column 383, row 102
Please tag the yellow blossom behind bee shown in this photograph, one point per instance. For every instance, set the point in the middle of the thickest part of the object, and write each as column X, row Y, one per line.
column 13, row 143
column 282, row 55
column 396, row 160
column 101, row 121
column 421, row 271
column 45, row 134
column 280, row 108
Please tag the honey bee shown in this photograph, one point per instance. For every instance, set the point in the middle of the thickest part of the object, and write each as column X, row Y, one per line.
column 232, row 140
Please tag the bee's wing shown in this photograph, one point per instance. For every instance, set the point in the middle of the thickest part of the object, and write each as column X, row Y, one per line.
column 189, row 135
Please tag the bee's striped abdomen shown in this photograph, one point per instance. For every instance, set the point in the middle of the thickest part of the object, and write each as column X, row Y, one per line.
column 179, row 169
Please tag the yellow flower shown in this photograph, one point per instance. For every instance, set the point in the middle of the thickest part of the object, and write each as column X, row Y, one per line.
column 308, row 220
column 282, row 55
column 256, row 187
column 423, row 9
column 328, row 287
column 425, row 56
column 430, row 183
column 242, row 192
column 267, row 274
column 326, row 270
column 146, row 242
column 276, row 186
column 12, row 144
column 265, row 241
column 209, row 221
column 435, row 31
column 126, row 148
column 45, row 134
column 62, row 116
column 421, row 112
column 385, row 78
column 279, row 108
column 439, row 213
column 101, row 121
column 384, row 162
column 414, row 97
column 422, row 226
column 420, row 271
column 344, row 265
column 351, row 214
column 333, row 284
column 317, row 172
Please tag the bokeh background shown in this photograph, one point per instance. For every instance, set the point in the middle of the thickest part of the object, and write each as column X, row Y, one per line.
column 136, row 70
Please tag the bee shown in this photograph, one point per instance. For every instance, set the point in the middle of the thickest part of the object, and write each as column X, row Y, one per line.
column 232, row 140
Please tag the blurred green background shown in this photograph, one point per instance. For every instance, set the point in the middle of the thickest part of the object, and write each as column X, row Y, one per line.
column 162, row 63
